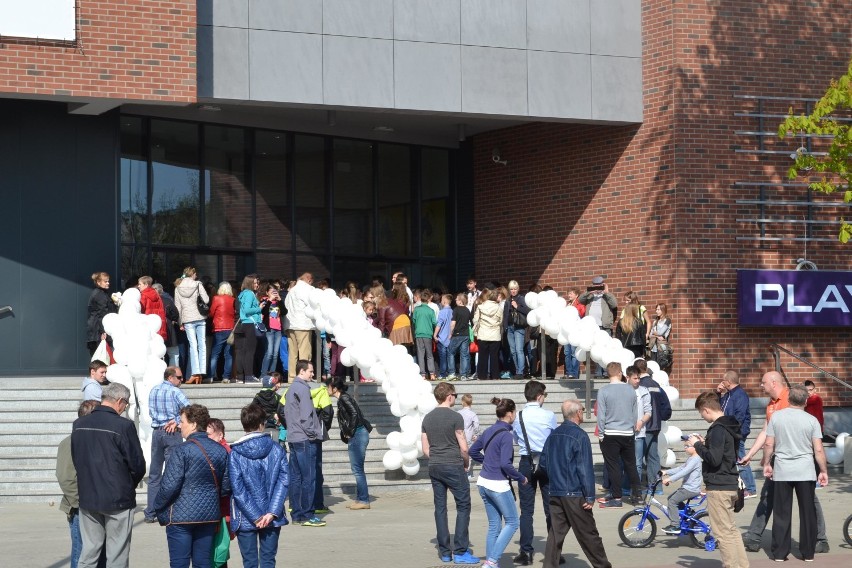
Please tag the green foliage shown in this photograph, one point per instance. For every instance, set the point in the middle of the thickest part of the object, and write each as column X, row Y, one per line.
column 834, row 171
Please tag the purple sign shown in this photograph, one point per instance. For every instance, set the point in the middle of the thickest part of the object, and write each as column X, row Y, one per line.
column 794, row 298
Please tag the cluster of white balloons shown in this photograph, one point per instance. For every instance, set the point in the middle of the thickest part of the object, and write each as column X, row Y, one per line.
column 562, row 322
column 138, row 350
column 391, row 366
column 834, row 455
column 669, row 436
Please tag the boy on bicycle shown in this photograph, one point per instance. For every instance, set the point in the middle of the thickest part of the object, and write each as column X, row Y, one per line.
column 690, row 472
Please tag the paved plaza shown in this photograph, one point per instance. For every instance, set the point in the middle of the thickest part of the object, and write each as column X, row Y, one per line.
column 399, row 531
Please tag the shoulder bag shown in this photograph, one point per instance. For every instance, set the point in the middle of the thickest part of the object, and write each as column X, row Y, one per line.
column 221, row 552
column 203, row 307
column 536, row 473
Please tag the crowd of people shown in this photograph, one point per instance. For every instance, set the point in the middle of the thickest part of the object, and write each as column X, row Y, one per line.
column 479, row 333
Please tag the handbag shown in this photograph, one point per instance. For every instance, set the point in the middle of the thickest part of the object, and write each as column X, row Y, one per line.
column 203, row 307
column 536, row 473
column 259, row 329
column 231, row 337
column 101, row 353
column 517, row 318
column 221, row 545
column 740, row 502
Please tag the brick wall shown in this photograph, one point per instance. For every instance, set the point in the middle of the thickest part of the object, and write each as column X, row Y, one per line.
column 654, row 207
column 125, row 49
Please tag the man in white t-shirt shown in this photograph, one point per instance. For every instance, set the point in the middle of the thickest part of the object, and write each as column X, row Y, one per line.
column 794, row 440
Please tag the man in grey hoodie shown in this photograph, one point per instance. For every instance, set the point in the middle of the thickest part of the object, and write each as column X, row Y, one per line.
column 304, row 434
column 617, row 427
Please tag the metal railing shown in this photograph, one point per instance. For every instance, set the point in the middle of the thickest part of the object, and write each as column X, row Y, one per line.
column 776, row 353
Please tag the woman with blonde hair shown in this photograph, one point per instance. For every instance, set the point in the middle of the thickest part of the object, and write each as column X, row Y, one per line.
column 631, row 330
column 395, row 322
column 100, row 304
column 658, row 338
column 222, row 314
column 187, row 293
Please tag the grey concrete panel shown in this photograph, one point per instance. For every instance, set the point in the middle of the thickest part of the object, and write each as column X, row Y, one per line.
column 494, row 23
column 617, row 28
column 358, row 18
column 228, row 13
column 223, row 66
column 436, row 21
column 285, row 67
column 357, row 72
column 494, row 80
column 286, row 15
column 616, row 88
column 560, row 84
column 427, row 76
column 559, row 25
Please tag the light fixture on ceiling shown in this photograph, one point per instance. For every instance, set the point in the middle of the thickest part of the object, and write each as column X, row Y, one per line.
column 209, row 108
column 383, row 129
column 497, row 157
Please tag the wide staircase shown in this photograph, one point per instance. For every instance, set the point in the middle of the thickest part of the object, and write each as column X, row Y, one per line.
column 37, row 413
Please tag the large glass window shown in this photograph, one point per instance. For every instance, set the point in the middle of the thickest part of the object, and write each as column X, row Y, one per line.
column 353, row 197
column 134, row 181
column 396, row 233
column 310, row 194
column 274, row 220
column 175, row 198
column 435, row 192
column 227, row 205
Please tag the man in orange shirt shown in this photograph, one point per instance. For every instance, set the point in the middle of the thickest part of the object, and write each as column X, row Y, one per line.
column 774, row 385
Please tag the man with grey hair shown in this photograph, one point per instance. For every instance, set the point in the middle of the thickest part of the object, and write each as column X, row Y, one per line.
column 108, row 458
column 794, row 440
column 567, row 459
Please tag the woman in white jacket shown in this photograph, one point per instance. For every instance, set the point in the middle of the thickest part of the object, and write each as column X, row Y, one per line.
column 187, row 292
column 488, row 329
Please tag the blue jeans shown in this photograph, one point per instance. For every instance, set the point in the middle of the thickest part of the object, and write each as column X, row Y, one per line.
column 265, row 540
column 515, row 336
column 526, row 496
column 357, row 454
column 326, row 357
column 745, row 470
column 652, row 457
column 459, row 344
column 273, row 344
column 302, row 478
column 195, row 331
column 220, row 345
column 76, row 539
column 572, row 364
column 162, row 445
column 443, row 356
column 318, row 500
column 284, row 355
column 454, row 478
column 190, row 542
column 499, row 506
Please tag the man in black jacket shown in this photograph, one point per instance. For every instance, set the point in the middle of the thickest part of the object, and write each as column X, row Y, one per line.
column 719, row 454
column 109, row 462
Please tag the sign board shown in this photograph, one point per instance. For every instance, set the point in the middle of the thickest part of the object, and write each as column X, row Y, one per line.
column 45, row 19
column 794, row 298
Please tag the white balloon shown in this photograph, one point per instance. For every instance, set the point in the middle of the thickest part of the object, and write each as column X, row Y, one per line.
column 420, row 453
column 411, row 469
column 562, row 339
column 157, row 349
column 672, row 393
column 580, row 354
column 662, row 447
column 392, row 460
column 576, row 335
column 531, row 299
column 834, row 455
column 586, row 341
column 396, row 410
column 559, row 304
column 131, row 295
column 410, row 424
column 410, row 455
column 392, row 440
column 112, row 323
column 840, row 442
column 321, row 324
column 662, row 378
column 670, row 460
column 673, row 434
column 346, row 357
column 532, row 319
column 408, row 439
column 426, row 403
column 654, row 367
column 119, row 374
column 598, row 352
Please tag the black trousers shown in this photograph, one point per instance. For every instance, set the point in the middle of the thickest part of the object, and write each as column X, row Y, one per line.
column 617, row 450
column 567, row 513
column 488, row 366
column 246, row 345
column 782, row 507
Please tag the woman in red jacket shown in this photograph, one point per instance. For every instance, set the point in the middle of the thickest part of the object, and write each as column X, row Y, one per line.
column 223, row 316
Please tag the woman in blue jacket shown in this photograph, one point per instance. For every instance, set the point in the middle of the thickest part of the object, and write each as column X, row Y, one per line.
column 187, row 503
column 493, row 449
column 259, row 481
column 247, row 334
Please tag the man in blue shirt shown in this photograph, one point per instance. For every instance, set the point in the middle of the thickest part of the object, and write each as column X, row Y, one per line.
column 538, row 423
column 735, row 402
column 567, row 458
column 164, row 404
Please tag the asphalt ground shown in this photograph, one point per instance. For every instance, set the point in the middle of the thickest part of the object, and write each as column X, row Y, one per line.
column 399, row 531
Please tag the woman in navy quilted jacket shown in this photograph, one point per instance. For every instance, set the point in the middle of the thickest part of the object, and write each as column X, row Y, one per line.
column 187, row 504
column 260, row 479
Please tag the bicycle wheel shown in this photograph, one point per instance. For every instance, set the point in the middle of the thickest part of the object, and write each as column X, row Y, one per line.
column 694, row 536
column 630, row 532
column 847, row 530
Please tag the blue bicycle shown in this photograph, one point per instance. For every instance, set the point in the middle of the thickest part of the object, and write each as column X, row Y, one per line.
column 638, row 528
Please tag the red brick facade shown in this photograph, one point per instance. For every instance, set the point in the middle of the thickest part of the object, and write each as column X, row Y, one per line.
column 125, row 49
column 654, row 207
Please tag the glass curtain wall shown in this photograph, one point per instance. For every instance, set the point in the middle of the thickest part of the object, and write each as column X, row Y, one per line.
column 233, row 200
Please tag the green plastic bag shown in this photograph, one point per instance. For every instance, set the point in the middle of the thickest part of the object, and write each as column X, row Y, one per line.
column 221, row 545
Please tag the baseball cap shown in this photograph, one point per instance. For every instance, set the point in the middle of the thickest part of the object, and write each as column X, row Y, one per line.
column 268, row 381
column 597, row 280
